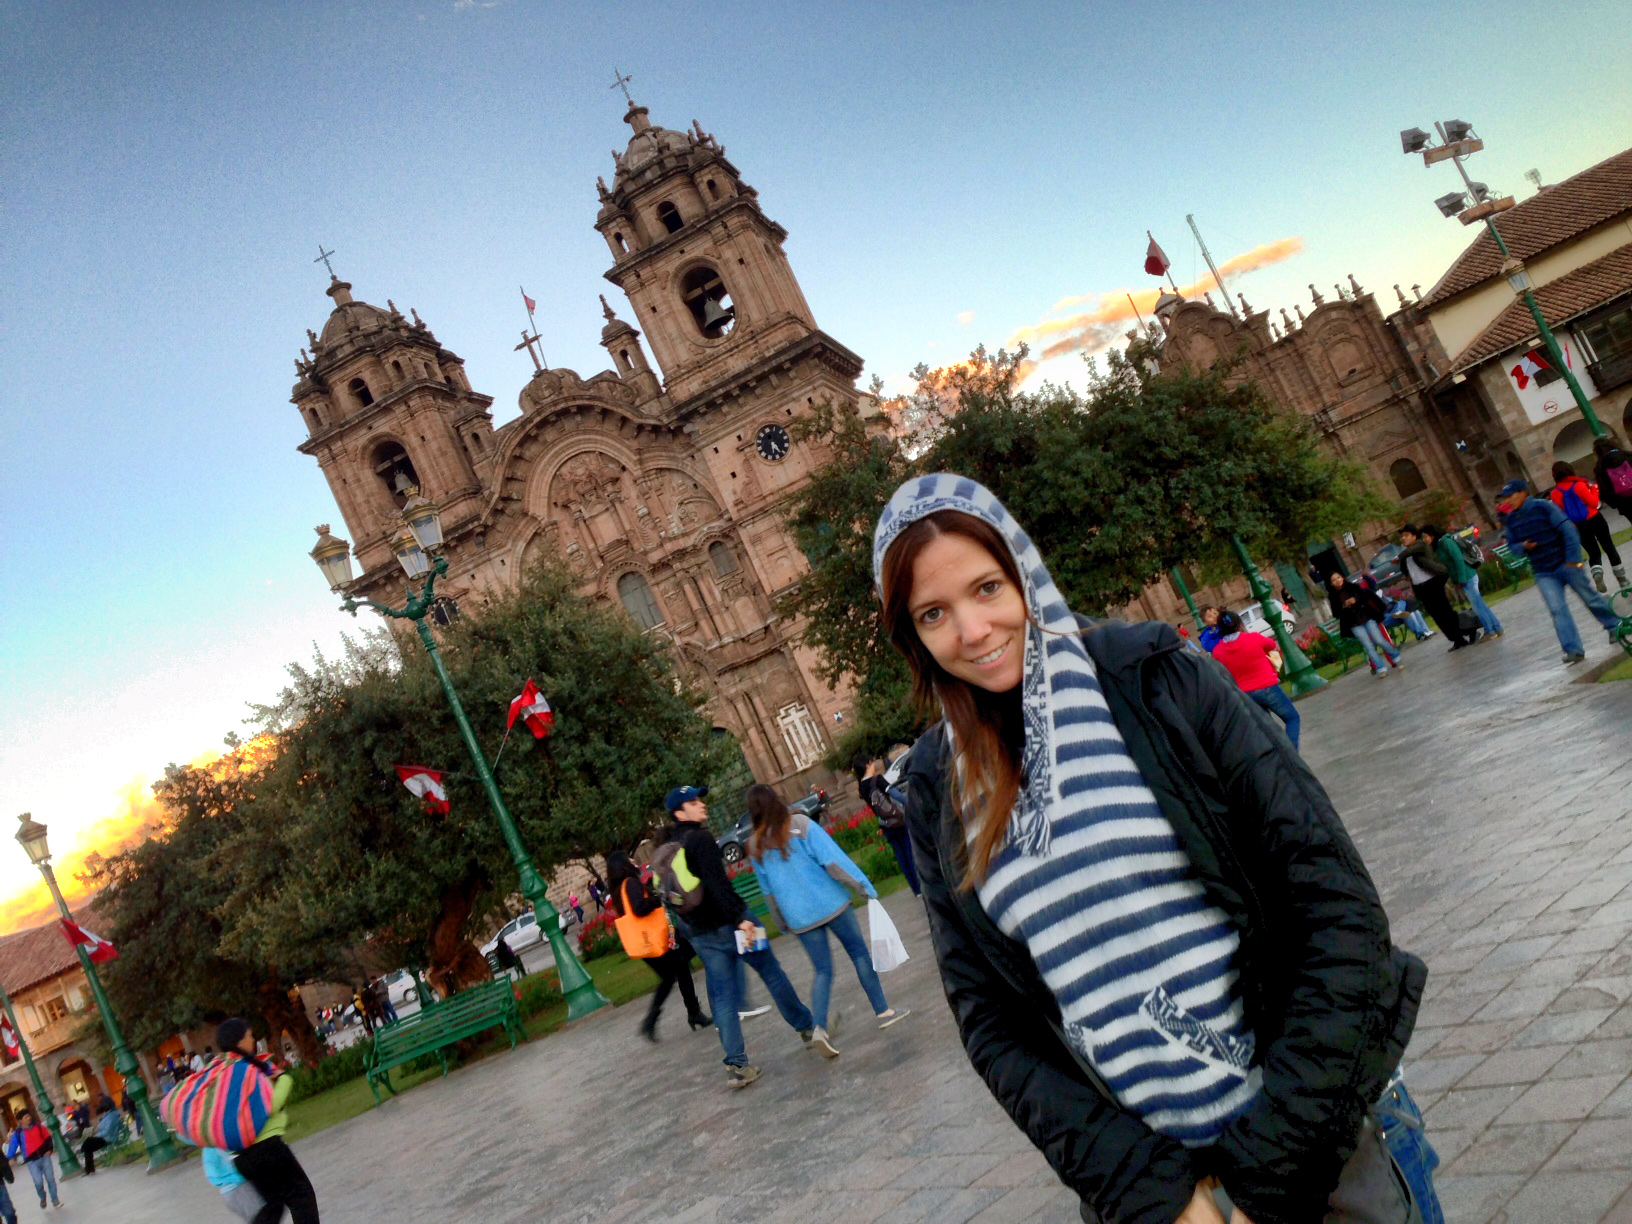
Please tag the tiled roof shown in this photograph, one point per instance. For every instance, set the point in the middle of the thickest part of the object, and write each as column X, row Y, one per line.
column 40, row 953
column 1544, row 220
column 1561, row 300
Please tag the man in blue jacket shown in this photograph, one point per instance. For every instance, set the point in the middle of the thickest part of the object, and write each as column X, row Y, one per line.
column 1540, row 532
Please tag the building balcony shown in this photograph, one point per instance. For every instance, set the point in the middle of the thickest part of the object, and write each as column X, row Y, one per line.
column 1611, row 372
column 55, row 1035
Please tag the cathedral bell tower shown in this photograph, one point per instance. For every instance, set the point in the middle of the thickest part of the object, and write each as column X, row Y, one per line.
column 702, row 266
column 387, row 410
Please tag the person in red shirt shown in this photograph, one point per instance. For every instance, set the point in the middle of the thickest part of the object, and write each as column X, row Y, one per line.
column 1247, row 657
column 1581, row 508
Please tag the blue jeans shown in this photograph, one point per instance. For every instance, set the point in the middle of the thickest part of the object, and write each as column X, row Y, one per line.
column 1551, row 584
column 717, row 949
column 848, row 931
column 44, row 1175
column 1275, row 700
column 1372, row 639
column 8, row 1212
column 1476, row 601
column 902, row 845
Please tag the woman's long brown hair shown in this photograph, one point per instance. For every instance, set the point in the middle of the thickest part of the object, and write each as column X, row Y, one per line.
column 771, row 819
column 991, row 772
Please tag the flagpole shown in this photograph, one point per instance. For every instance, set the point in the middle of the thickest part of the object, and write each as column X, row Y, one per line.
column 1136, row 313
column 1211, row 266
column 66, row 1162
column 502, row 743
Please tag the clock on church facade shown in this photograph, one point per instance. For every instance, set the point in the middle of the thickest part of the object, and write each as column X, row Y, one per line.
column 661, row 485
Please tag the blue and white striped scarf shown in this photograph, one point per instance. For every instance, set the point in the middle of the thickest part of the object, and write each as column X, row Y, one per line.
column 1091, row 877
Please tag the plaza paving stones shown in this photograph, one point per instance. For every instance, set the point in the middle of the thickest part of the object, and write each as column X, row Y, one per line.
column 1490, row 795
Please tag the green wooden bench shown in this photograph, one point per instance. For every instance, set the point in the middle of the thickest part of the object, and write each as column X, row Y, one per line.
column 1515, row 567
column 436, row 1026
column 747, row 885
column 1348, row 649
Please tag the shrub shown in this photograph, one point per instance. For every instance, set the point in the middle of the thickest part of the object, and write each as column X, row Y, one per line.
column 857, row 831
column 877, row 862
column 331, row 1072
column 538, row 991
column 1319, row 647
column 598, row 937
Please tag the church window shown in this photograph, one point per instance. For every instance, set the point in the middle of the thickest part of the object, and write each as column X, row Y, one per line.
column 641, row 603
column 724, row 562
column 622, row 242
column 669, row 215
column 1407, row 478
column 359, row 388
column 317, row 421
column 623, row 360
column 395, row 470
column 713, row 190
column 706, row 296
column 396, row 367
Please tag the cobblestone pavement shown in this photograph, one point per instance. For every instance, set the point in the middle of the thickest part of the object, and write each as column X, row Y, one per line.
column 1489, row 795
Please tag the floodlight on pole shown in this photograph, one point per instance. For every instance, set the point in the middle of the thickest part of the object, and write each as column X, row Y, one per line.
column 1414, row 140
column 1456, row 130
column 1481, row 192
column 1450, row 205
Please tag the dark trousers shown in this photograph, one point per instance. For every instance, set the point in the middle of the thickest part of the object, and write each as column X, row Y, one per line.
column 1431, row 595
column 902, row 845
column 272, row 1169
column 88, row 1151
column 1598, row 542
column 673, row 969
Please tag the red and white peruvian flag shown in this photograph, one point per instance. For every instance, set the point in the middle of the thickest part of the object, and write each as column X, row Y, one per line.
column 533, row 710
column 1155, row 261
column 98, row 949
column 8, row 1039
column 427, row 785
column 1531, row 364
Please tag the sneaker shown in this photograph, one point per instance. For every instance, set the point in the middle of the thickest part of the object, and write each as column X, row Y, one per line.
column 887, row 1018
column 753, row 1011
column 741, row 1077
column 818, row 1040
column 1426, row 636
column 1573, row 657
column 1494, row 633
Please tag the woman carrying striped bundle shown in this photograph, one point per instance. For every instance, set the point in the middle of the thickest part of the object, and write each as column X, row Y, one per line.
column 1161, row 948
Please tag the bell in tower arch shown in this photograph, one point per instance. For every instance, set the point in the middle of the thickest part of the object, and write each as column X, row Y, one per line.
column 717, row 319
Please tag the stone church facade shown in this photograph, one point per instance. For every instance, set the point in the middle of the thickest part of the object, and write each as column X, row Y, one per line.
column 661, row 485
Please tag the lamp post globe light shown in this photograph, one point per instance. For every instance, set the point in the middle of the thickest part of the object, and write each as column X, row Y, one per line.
column 161, row 1148
column 419, row 551
column 1458, row 141
column 67, row 1163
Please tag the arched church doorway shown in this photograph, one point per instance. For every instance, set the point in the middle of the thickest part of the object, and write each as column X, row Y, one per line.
column 14, row 1098
column 79, row 1081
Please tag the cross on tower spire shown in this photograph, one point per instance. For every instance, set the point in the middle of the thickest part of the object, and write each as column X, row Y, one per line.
column 622, row 82
column 323, row 258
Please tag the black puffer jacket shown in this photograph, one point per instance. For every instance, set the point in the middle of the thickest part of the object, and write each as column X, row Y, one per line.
column 1330, row 1000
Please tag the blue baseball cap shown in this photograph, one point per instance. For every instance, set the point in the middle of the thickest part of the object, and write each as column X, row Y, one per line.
column 682, row 795
column 1516, row 486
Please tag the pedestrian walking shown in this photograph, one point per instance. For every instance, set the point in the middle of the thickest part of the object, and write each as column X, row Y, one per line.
column 1461, row 573
column 1428, row 578
column 241, row 1198
column 31, row 1141
column 268, row 1164
column 1612, row 469
column 1579, row 501
column 572, row 901
column 1538, row 530
column 711, row 916
column 1256, row 666
column 807, row 880
column 1360, row 615
column 889, row 809
column 647, row 934
column 1157, row 940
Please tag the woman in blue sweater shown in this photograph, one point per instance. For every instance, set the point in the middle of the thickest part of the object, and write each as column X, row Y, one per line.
column 807, row 881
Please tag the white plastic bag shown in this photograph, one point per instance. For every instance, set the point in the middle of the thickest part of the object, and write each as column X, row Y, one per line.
column 888, row 950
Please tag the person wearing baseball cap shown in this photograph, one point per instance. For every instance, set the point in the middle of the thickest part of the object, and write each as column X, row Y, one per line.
column 712, row 924
column 1544, row 535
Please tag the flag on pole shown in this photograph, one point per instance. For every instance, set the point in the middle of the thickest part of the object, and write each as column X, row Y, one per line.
column 8, row 1038
column 1156, row 262
column 427, row 785
column 531, row 305
column 533, row 710
column 98, row 949
column 1531, row 364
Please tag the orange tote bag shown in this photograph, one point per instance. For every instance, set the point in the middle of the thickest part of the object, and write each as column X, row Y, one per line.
column 642, row 938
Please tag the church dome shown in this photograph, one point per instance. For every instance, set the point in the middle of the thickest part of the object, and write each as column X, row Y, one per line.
column 351, row 317
column 648, row 145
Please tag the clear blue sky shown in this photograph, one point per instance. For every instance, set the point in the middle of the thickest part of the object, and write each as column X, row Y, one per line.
column 170, row 170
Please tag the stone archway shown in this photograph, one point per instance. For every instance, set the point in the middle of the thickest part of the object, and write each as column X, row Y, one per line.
column 80, row 1081
column 15, row 1096
column 1573, row 445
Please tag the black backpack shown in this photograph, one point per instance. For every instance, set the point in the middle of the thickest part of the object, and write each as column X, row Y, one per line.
column 888, row 810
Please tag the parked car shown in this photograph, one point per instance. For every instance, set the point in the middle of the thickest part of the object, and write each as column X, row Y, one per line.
column 520, row 932
column 1385, row 567
column 734, row 841
column 1253, row 618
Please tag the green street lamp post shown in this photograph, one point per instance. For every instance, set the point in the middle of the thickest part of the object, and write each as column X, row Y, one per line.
column 1301, row 672
column 1458, row 141
column 67, row 1163
column 1189, row 600
column 418, row 551
column 161, row 1148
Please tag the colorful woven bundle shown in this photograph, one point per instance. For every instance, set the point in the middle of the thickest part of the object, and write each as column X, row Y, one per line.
column 223, row 1106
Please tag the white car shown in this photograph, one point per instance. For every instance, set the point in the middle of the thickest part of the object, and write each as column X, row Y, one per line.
column 399, row 987
column 520, row 932
column 1253, row 618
